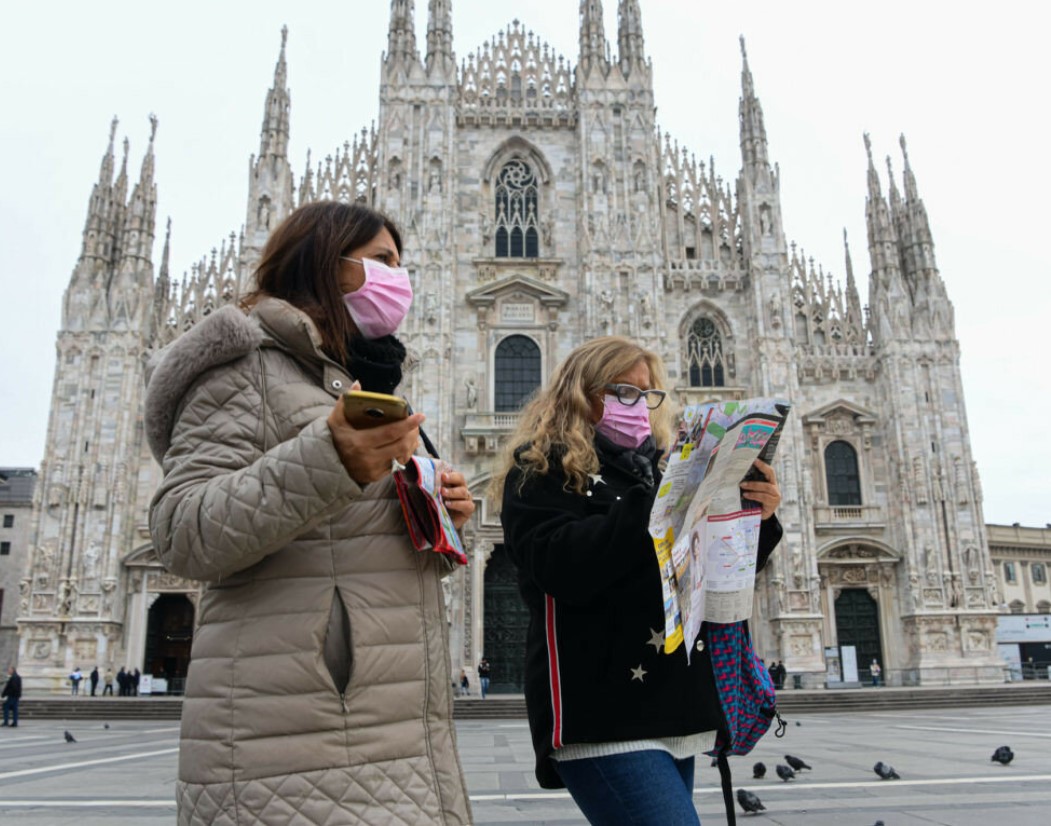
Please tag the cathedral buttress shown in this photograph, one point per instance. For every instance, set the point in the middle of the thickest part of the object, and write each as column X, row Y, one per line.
column 270, row 178
column 593, row 62
column 938, row 520
column 87, row 510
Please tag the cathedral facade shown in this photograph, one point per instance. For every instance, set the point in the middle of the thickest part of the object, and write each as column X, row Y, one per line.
column 542, row 205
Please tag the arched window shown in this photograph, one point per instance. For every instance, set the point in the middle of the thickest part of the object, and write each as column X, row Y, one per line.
column 704, row 355
column 517, row 372
column 517, row 221
column 841, row 472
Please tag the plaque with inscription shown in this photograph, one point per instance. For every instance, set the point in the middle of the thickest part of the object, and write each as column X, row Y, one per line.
column 520, row 312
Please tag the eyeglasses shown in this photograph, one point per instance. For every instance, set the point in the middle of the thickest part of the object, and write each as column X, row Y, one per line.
column 629, row 395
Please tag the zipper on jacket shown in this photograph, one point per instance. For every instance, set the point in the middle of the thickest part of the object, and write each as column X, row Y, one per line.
column 337, row 653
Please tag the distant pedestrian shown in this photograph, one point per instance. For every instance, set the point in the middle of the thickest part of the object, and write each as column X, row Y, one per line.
column 483, row 675
column 12, row 693
column 107, row 683
column 465, row 684
column 875, row 671
column 74, row 680
column 122, row 682
column 772, row 669
column 136, row 678
column 93, row 678
column 782, row 672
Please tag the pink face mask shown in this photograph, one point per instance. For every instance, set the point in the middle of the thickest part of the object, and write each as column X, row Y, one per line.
column 379, row 306
column 624, row 425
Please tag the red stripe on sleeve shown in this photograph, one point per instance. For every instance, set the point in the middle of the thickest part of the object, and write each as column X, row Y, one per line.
column 552, row 669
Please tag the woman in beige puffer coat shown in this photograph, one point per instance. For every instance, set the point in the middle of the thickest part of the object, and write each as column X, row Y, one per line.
column 318, row 690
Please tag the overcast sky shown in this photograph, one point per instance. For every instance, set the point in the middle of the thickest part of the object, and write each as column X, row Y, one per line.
column 964, row 82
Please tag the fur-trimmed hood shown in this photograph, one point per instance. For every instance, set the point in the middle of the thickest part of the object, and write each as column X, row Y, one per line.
column 219, row 338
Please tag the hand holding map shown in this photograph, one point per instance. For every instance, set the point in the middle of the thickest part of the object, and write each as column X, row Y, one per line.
column 705, row 529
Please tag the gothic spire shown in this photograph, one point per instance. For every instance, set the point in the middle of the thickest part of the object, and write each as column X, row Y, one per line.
column 163, row 274
column 401, row 34
column 892, row 193
column 273, row 138
column 120, row 186
column 629, row 36
column 162, row 288
column 100, row 204
column 106, row 167
column 853, row 299
column 146, row 171
column 888, row 300
column 440, row 37
column 592, row 37
column 750, row 113
column 875, row 192
column 141, row 208
column 910, row 179
column 915, row 233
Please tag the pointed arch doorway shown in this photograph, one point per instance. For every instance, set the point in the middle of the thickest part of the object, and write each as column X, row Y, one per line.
column 506, row 624
column 169, row 635
column 857, row 624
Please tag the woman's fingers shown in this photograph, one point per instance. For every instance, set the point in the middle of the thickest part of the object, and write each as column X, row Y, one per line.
column 457, row 497
column 767, row 493
column 367, row 453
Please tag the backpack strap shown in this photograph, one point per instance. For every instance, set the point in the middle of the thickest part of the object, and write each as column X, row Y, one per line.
column 727, row 783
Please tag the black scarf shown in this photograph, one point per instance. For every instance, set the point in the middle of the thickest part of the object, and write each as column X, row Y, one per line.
column 376, row 362
column 638, row 461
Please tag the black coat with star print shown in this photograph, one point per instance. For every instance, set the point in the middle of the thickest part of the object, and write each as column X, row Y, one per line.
column 595, row 667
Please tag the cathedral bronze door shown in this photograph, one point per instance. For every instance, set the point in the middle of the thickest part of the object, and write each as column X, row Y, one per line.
column 169, row 634
column 506, row 623
column 857, row 624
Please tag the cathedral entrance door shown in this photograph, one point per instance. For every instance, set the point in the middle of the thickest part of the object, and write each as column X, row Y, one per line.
column 169, row 633
column 857, row 624
column 506, row 623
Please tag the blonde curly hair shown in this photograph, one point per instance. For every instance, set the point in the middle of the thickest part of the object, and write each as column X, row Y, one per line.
column 558, row 417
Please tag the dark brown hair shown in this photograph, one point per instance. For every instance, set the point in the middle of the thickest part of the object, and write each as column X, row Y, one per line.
column 301, row 262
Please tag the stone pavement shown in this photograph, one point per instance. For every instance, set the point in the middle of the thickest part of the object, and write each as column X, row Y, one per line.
column 125, row 774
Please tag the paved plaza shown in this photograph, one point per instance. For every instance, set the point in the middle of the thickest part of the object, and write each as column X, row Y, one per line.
column 125, row 774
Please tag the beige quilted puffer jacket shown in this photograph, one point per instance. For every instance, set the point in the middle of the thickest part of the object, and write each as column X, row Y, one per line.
column 319, row 687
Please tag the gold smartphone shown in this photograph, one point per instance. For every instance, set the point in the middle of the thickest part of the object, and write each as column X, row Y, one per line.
column 364, row 410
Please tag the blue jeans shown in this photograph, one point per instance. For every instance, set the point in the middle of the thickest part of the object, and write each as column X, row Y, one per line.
column 647, row 788
column 485, row 685
column 11, row 708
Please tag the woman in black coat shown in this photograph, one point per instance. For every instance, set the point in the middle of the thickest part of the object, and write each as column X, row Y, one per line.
column 613, row 717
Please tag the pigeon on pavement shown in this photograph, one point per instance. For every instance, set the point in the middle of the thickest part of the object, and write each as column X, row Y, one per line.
column 885, row 771
column 796, row 763
column 1003, row 755
column 785, row 773
column 749, row 802
column 758, row 771
column 69, row 737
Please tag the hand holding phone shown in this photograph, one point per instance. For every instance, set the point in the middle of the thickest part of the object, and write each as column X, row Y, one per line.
column 364, row 410
column 370, row 431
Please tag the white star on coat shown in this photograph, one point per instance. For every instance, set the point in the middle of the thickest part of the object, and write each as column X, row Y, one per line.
column 596, row 479
column 638, row 673
column 656, row 639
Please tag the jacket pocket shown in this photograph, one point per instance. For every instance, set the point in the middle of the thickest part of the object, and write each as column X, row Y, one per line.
column 338, row 652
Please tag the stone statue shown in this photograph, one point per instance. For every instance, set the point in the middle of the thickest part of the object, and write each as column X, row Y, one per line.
column 547, row 227
column 485, row 225
column 67, row 595
column 970, row 556
column 472, row 392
